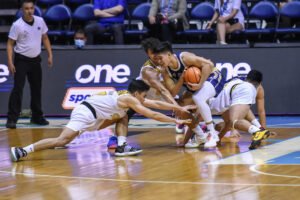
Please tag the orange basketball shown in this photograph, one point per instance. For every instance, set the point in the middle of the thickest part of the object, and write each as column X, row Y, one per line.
column 192, row 75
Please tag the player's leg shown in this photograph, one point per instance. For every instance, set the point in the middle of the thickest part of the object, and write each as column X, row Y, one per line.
column 251, row 118
column 113, row 139
column 123, row 149
column 64, row 138
column 188, row 140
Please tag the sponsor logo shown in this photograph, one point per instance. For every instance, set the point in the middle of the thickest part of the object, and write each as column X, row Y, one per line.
column 240, row 69
column 76, row 95
column 90, row 74
column 4, row 73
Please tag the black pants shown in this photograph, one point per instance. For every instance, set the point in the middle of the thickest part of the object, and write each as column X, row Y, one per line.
column 95, row 28
column 165, row 32
column 30, row 68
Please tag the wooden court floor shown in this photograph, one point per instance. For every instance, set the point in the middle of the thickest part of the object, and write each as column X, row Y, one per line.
column 86, row 170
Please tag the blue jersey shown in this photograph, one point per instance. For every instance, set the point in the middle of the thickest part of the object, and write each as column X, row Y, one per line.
column 215, row 78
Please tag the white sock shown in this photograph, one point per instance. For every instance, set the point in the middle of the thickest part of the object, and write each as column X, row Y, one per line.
column 198, row 131
column 121, row 140
column 29, row 148
column 256, row 123
column 252, row 129
column 211, row 127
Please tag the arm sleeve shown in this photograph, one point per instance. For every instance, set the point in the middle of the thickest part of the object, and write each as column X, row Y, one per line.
column 44, row 28
column 13, row 33
column 236, row 4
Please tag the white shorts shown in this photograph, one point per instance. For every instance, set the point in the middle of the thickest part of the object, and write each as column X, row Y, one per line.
column 82, row 119
column 243, row 94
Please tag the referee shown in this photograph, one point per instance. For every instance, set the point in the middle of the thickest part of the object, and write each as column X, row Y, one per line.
column 24, row 40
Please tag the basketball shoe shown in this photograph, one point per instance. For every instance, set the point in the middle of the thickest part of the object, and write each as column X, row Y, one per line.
column 16, row 153
column 127, row 150
column 257, row 137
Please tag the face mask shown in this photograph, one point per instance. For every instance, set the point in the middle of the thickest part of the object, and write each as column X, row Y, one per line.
column 79, row 43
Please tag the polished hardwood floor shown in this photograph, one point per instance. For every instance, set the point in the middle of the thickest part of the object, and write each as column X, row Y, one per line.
column 87, row 170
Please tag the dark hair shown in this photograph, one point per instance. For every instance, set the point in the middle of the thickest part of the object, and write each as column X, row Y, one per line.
column 163, row 47
column 80, row 31
column 138, row 86
column 27, row 1
column 150, row 44
column 255, row 76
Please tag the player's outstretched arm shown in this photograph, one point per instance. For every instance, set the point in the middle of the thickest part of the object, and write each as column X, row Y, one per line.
column 170, row 85
column 167, row 106
column 151, row 76
column 134, row 104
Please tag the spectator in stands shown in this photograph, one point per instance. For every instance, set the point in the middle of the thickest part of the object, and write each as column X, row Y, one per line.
column 24, row 40
column 111, row 19
column 80, row 39
column 229, row 18
column 166, row 17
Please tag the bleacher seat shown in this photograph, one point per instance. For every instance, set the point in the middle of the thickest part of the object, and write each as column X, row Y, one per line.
column 81, row 16
column 136, row 20
column 266, row 13
column 58, row 19
column 200, row 14
column 291, row 11
column 48, row 3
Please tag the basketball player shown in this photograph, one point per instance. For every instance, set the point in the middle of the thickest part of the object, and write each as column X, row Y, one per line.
column 234, row 102
column 150, row 73
column 100, row 111
column 211, row 82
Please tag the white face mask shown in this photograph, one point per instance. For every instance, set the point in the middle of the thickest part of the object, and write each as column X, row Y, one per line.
column 79, row 43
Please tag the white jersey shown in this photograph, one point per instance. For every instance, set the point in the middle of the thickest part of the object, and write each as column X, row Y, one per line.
column 106, row 108
column 28, row 37
column 106, row 105
column 234, row 92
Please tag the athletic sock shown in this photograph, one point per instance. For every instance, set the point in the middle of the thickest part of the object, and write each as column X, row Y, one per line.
column 121, row 140
column 252, row 129
column 211, row 127
column 198, row 131
column 256, row 123
column 29, row 148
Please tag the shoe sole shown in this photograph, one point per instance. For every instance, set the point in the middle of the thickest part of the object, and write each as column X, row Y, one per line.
column 256, row 143
column 128, row 153
column 12, row 155
column 192, row 147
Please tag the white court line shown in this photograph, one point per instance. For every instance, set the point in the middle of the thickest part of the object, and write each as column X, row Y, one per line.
column 263, row 154
column 286, row 124
column 151, row 181
column 253, row 168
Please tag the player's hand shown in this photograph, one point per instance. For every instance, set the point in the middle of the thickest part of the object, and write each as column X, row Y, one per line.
column 188, row 108
column 235, row 134
column 183, row 121
column 194, row 86
column 50, row 61
column 12, row 68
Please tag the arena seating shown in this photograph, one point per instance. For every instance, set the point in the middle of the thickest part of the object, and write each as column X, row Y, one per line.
column 264, row 20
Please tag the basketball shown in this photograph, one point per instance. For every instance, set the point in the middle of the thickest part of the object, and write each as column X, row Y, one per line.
column 192, row 75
